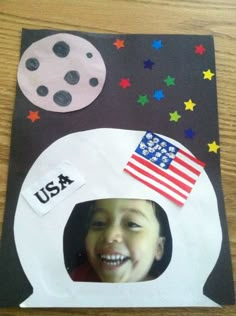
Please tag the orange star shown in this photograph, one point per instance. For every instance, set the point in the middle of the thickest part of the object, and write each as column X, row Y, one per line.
column 33, row 116
column 119, row 43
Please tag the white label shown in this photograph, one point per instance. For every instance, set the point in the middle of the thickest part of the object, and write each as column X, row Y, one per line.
column 53, row 187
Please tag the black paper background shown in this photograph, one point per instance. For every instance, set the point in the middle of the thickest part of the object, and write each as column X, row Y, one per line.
column 118, row 108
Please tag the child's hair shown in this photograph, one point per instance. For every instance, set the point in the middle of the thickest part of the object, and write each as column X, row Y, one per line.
column 158, row 267
column 77, row 228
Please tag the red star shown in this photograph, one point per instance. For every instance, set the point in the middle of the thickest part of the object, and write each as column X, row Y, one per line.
column 33, row 116
column 125, row 83
column 119, row 43
column 200, row 49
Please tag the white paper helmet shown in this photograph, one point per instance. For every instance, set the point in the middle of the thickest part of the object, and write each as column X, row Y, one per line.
column 99, row 157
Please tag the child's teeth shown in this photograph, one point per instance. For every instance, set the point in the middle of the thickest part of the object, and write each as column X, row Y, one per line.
column 115, row 259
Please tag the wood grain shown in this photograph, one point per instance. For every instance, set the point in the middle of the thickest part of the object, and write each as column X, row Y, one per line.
column 216, row 17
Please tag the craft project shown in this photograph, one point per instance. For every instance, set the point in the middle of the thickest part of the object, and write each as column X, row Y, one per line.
column 114, row 180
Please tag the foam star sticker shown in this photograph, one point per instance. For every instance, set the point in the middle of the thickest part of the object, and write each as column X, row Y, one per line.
column 125, row 83
column 33, row 116
column 213, row 147
column 158, row 94
column 170, row 81
column 189, row 105
column 174, row 116
column 143, row 99
column 189, row 133
column 157, row 44
column 200, row 49
column 119, row 43
column 208, row 74
column 148, row 64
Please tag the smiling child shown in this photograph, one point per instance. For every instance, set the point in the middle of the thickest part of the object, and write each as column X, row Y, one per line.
column 124, row 239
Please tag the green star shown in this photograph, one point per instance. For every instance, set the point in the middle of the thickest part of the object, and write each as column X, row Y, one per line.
column 170, row 81
column 143, row 99
column 174, row 116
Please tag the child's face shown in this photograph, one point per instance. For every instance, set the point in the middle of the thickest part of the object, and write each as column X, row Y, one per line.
column 123, row 240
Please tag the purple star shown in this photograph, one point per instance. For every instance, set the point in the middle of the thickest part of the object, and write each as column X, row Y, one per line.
column 189, row 133
column 157, row 44
column 158, row 94
column 148, row 64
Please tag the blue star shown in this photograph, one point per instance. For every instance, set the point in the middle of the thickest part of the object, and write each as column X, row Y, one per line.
column 158, row 94
column 157, row 44
column 189, row 133
column 148, row 64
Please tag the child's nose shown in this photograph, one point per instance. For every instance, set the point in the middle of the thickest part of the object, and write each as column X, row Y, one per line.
column 113, row 234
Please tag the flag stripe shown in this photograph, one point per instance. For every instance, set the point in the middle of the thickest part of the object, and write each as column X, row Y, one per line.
column 149, row 183
column 185, row 171
column 189, row 161
column 164, row 173
column 194, row 159
column 181, row 174
column 187, row 166
column 151, row 176
column 148, row 167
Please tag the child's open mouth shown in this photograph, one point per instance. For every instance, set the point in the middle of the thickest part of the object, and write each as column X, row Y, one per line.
column 113, row 260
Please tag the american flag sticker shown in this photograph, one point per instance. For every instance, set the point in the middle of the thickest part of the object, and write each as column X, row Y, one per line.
column 164, row 167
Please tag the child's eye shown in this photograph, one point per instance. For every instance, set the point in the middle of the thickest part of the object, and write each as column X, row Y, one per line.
column 133, row 225
column 98, row 224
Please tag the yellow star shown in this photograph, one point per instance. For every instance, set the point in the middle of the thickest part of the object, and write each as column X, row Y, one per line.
column 208, row 74
column 189, row 105
column 213, row 147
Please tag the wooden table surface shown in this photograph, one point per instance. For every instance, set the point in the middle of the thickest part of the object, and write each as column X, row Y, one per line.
column 216, row 17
